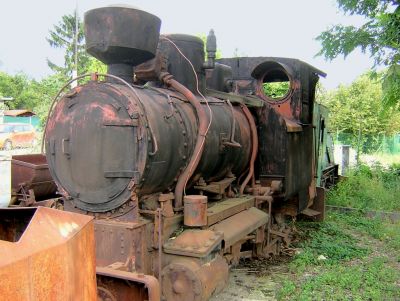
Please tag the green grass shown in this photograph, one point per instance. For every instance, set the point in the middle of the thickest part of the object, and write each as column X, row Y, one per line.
column 375, row 188
column 362, row 261
column 327, row 239
column 371, row 280
column 362, row 254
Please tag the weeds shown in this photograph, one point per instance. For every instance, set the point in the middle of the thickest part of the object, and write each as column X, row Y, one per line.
column 375, row 188
column 349, row 256
column 372, row 280
column 330, row 241
column 351, row 270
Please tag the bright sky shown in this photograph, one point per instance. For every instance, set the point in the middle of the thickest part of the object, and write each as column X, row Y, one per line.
column 285, row 28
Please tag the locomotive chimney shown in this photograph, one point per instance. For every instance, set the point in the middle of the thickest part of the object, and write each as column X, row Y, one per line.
column 121, row 37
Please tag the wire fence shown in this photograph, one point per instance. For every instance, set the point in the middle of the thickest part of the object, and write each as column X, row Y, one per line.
column 350, row 150
column 370, row 144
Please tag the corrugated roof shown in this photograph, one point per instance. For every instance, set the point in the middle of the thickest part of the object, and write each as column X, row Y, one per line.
column 20, row 113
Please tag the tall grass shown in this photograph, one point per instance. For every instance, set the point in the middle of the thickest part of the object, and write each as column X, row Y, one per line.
column 369, row 187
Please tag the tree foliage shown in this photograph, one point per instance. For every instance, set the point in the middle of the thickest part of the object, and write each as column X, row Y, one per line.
column 37, row 95
column 379, row 36
column 63, row 36
column 358, row 111
column 276, row 90
column 28, row 93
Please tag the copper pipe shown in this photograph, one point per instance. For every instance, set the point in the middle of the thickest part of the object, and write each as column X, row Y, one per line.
column 200, row 140
column 254, row 142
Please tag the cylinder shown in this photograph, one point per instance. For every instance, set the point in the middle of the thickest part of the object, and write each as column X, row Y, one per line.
column 121, row 34
column 193, row 49
column 195, row 210
column 106, row 136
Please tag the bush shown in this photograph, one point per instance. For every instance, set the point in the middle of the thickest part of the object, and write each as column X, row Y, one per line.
column 366, row 187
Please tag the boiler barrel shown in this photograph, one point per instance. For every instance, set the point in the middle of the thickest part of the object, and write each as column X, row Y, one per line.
column 103, row 138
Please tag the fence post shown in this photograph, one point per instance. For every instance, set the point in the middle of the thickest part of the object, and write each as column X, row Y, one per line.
column 345, row 158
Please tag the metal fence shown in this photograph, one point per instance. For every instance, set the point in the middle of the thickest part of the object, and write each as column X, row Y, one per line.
column 370, row 144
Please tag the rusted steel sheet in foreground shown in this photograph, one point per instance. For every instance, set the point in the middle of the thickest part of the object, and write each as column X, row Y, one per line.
column 46, row 254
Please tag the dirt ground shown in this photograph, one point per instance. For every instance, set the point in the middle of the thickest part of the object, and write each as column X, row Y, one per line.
column 254, row 280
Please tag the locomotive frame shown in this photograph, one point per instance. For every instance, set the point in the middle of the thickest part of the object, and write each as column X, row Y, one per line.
column 185, row 165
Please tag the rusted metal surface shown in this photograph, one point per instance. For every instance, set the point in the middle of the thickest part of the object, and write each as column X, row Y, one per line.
column 189, row 280
column 203, row 127
column 150, row 145
column 238, row 226
column 319, row 204
column 193, row 48
column 41, row 249
column 227, row 208
column 121, row 285
column 194, row 243
column 30, row 179
column 124, row 242
column 195, row 210
column 285, row 151
column 150, row 120
column 110, row 39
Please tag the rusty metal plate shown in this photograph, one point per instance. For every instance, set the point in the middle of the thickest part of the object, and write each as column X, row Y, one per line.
column 238, row 226
column 41, row 250
column 194, row 243
column 227, row 208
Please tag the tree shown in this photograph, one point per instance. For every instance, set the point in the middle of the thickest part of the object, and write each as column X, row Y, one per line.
column 15, row 86
column 30, row 94
column 357, row 113
column 63, row 36
column 379, row 36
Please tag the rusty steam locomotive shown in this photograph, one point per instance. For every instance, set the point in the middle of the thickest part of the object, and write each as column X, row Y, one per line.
column 186, row 165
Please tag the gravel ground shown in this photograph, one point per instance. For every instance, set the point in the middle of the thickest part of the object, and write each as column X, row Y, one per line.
column 254, row 280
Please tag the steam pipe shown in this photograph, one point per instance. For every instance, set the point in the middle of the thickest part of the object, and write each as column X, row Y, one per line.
column 200, row 140
column 254, row 142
